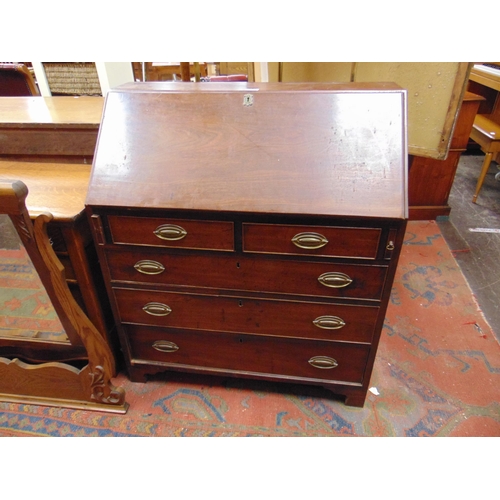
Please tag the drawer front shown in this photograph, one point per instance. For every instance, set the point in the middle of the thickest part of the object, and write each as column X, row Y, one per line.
column 244, row 273
column 172, row 233
column 359, row 243
column 236, row 314
column 307, row 359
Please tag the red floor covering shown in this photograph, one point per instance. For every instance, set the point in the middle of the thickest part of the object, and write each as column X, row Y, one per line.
column 437, row 373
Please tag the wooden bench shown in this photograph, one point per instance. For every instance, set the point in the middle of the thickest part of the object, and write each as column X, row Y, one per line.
column 486, row 132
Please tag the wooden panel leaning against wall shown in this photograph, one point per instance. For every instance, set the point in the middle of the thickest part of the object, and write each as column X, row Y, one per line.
column 438, row 124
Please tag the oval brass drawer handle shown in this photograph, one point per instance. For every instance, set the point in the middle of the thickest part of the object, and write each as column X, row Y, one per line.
column 309, row 241
column 335, row 280
column 170, row 232
column 149, row 267
column 323, row 362
column 329, row 322
column 157, row 309
column 165, row 346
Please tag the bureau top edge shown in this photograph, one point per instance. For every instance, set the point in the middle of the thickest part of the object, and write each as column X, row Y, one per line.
column 190, row 87
column 239, row 214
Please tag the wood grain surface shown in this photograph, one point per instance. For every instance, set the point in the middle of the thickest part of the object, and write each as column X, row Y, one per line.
column 333, row 150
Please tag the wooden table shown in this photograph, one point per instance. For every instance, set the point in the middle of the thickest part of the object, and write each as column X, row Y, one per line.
column 60, row 188
column 50, row 127
column 48, row 143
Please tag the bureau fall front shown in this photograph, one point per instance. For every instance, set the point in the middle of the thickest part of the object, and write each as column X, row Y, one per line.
column 251, row 230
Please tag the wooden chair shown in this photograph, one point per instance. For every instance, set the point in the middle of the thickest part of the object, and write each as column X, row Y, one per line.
column 56, row 382
column 486, row 132
column 16, row 80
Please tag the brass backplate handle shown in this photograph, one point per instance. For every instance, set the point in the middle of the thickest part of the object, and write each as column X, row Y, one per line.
column 149, row 267
column 170, row 232
column 329, row 322
column 323, row 362
column 157, row 309
column 165, row 346
column 309, row 241
column 335, row 280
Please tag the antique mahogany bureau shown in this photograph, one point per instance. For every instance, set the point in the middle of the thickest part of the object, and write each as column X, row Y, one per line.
column 251, row 229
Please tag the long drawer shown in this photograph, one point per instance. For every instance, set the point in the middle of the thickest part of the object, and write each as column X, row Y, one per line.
column 311, row 240
column 324, row 321
column 306, row 359
column 232, row 272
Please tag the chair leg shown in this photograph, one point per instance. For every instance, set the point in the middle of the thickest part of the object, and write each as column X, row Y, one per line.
column 484, row 171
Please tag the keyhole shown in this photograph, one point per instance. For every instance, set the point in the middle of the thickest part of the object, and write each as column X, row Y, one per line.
column 248, row 100
column 240, row 303
column 238, row 265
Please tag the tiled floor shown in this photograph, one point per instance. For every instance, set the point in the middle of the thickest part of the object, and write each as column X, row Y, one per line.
column 477, row 252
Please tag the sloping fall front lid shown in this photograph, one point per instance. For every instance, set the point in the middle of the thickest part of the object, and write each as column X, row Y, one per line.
column 325, row 149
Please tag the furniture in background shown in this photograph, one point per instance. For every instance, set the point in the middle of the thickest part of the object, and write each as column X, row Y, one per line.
column 60, row 189
column 48, row 143
column 233, row 68
column 79, row 79
column 31, row 379
column 485, row 81
column 430, row 180
column 257, row 237
column 168, row 71
column 50, row 128
column 72, row 78
column 163, row 71
column 16, row 80
column 486, row 132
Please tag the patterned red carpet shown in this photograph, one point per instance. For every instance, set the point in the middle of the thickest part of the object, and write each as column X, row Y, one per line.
column 437, row 373
column 26, row 310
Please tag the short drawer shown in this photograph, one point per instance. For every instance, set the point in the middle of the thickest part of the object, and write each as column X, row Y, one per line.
column 232, row 272
column 346, row 242
column 249, row 354
column 322, row 321
column 172, row 233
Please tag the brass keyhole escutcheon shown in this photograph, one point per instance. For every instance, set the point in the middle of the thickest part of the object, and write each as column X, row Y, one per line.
column 248, row 100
